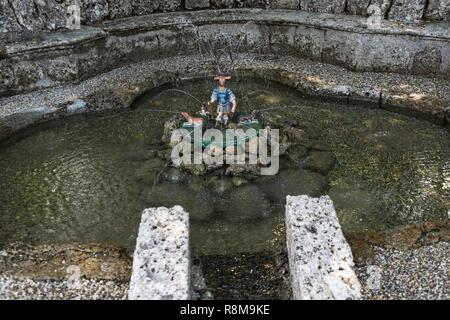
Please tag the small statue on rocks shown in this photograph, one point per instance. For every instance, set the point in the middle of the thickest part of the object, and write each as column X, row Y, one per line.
column 225, row 99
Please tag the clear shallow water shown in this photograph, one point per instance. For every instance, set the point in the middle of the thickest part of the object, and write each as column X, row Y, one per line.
column 88, row 178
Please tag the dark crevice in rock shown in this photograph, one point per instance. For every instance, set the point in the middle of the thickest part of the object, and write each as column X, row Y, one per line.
column 159, row 46
column 389, row 8
column 368, row 6
column 425, row 9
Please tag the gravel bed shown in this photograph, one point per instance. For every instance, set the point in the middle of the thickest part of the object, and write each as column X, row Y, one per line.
column 86, row 289
column 421, row 273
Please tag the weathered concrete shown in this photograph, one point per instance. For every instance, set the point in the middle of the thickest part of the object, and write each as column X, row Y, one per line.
column 326, row 6
column 161, row 263
column 51, row 59
column 409, row 11
column 320, row 259
column 438, row 10
column 37, row 15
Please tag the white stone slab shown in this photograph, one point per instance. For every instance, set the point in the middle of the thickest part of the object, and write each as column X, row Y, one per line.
column 320, row 259
column 161, row 265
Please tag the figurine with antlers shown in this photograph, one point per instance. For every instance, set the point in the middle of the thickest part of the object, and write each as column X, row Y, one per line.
column 225, row 99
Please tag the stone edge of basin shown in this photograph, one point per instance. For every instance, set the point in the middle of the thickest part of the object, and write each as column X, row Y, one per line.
column 339, row 22
column 117, row 89
column 320, row 259
column 161, row 261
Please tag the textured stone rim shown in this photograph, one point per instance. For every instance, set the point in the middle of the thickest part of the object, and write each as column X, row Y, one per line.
column 117, row 89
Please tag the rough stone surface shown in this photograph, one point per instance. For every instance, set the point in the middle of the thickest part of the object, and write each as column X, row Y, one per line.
column 67, row 57
column 326, row 6
column 141, row 7
column 24, row 288
column 424, row 97
column 169, row 5
column 120, row 8
column 196, row 4
column 427, row 59
column 385, row 6
column 35, row 15
column 8, row 21
column 413, row 274
column 161, row 258
column 358, row 7
column 222, row 3
column 320, row 259
column 253, row 3
column 284, row 4
column 29, row 17
column 94, row 10
column 408, row 11
column 432, row 11
column 438, row 10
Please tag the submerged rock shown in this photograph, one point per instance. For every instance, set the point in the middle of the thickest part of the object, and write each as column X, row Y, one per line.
column 169, row 126
column 294, row 182
column 320, row 146
column 220, row 186
column 238, row 181
column 297, row 154
column 246, row 203
column 195, row 169
column 174, row 175
column 295, row 134
column 148, row 170
column 165, row 154
column 141, row 154
column 275, row 120
column 321, row 161
column 196, row 183
column 247, row 170
column 199, row 204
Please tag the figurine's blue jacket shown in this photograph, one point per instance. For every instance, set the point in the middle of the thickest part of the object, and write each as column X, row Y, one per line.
column 223, row 98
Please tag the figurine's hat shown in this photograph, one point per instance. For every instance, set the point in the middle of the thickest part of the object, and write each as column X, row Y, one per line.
column 222, row 76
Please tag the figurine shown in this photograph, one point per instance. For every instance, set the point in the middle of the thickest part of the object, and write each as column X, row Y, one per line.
column 196, row 121
column 226, row 101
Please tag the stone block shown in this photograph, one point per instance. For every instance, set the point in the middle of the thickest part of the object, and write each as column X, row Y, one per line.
column 161, row 262
column 284, row 4
column 221, row 4
column 196, row 4
column 320, row 259
column 325, row 6
column 358, row 7
column 120, row 8
column 407, row 11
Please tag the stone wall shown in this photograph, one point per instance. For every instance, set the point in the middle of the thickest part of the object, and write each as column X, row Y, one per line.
column 70, row 57
column 35, row 15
